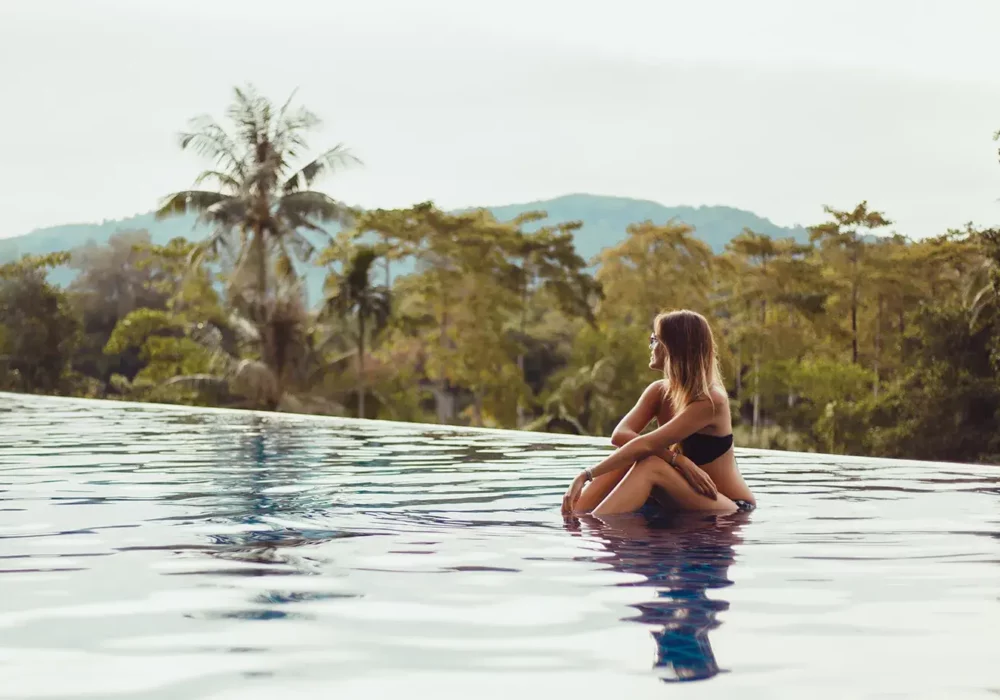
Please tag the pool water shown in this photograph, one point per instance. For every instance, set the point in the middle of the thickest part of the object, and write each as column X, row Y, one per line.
column 162, row 552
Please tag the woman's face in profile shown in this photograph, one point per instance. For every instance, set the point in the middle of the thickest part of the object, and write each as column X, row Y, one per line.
column 657, row 353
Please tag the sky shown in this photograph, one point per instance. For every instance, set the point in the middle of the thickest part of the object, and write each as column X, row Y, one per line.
column 776, row 106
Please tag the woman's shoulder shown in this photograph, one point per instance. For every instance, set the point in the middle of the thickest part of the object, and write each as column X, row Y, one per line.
column 717, row 397
column 657, row 388
column 721, row 407
column 719, row 394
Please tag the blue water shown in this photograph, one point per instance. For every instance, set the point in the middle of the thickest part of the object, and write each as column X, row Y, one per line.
column 157, row 552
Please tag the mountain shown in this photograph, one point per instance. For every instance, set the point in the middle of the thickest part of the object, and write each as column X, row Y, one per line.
column 606, row 218
column 604, row 222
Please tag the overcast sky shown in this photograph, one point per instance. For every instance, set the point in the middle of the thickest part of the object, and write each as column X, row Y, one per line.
column 777, row 106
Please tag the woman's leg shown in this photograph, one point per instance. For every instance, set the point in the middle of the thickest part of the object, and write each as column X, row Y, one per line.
column 633, row 490
column 598, row 489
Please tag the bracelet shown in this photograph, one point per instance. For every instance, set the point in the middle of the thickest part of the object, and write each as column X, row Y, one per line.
column 590, row 474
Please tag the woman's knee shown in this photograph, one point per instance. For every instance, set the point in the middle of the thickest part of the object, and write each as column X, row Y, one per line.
column 677, row 488
column 656, row 469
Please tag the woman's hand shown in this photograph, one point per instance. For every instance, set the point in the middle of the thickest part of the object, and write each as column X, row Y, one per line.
column 696, row 476
column 573, row 493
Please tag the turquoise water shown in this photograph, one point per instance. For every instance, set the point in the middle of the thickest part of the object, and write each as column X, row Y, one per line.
column 156, row 552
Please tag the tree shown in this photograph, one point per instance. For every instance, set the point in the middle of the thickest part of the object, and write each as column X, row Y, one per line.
column 167, row 337
column 39, row 333
column 947, row 403
column 114, row 280
column 463, row 263
column 767, row 276
column 604, row 376
column 399, row 232
column 549, row 265
column 262, row 204
column 653, row 269
column 261, row 214
column 352, row 294
column 844, row 240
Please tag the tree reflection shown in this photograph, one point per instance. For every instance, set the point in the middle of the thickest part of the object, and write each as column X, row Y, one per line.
column 680, row 556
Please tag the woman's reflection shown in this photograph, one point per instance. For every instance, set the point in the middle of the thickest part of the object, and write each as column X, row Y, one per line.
column 681, row 556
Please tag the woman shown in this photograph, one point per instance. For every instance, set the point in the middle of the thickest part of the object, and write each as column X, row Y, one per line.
column 692, row 409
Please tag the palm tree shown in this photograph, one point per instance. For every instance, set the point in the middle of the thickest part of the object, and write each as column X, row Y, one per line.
column 581, row 402
column 353, row 294
column 260, row 213
column 261, row 205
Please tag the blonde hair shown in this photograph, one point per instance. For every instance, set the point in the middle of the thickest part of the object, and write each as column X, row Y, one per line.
column 691, row 368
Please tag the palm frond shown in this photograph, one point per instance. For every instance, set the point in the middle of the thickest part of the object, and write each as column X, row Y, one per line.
column 304, row 205
column 255, row 380
column 325, row 163
column 198, row 201
column 224, row 180
column 284, row 108
column 207, row 138
column 300, row 246
column 198, row 382
column 247, row 112
column 244, row 328
column 295, row 222
column 227, row 213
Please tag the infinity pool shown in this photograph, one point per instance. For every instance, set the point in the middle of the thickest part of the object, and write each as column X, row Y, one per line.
column 157, row 552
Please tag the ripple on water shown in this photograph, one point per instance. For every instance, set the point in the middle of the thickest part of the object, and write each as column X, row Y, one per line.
column 156, row 552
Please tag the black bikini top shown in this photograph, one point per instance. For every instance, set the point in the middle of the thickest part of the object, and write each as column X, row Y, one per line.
column 702, row 449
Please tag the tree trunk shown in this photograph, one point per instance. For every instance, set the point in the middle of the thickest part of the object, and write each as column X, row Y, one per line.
column 878, row 341
column 756, row 398
column 262, row 281
column 388, row 279
column 520, row 354
column 854, row 314
column 902, row 334
column 756, row 370
column 478, row 408
column 739, row 375
column 443, row 400
column 361, row 363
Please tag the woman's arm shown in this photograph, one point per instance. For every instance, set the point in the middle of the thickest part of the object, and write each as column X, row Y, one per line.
column 693, row 418
column 645, row 410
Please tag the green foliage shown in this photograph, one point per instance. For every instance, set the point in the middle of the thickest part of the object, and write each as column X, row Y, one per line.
column 114, row 280
column 352, row 294
column 602, row 382
column 946, row 405
column 133, row 330
column 32, row 263
column 39, row 333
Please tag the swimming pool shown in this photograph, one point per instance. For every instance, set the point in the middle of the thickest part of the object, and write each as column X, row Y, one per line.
column 161, row 552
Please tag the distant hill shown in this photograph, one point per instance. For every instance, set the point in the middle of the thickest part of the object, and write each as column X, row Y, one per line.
column 606, row 218
column 604, row 222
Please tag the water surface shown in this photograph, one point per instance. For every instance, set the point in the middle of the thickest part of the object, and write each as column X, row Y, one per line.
column 159, row 552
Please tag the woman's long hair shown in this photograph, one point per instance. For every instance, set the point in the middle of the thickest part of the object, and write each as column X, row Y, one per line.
column 691, row 367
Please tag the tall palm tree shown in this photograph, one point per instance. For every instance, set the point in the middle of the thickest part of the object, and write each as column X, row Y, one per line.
column 261, row 213
column 261, row 204
column 353, row 294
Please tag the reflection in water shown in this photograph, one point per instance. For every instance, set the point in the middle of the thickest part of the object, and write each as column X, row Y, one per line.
column 157, row 540
column 681, row 556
